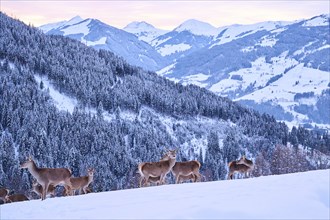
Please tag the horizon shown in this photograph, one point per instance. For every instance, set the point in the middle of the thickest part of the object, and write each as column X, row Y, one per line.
column 121, row 13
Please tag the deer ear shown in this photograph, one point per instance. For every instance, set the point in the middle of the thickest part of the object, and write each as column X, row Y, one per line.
column 30, row 158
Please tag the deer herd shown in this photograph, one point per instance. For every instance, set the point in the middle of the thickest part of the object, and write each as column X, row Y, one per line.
column 46, row 179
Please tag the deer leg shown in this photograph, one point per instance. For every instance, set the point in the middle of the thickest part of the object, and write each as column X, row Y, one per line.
column 141, row 180
column 177, row 179
column 44, row 191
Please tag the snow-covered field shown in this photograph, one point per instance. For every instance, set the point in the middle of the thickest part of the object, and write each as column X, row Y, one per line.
column 291, row 196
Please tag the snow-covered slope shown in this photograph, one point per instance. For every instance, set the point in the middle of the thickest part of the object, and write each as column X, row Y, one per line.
column 99, row 35
column 233, row 32
column 291, row 196
column 144, row 31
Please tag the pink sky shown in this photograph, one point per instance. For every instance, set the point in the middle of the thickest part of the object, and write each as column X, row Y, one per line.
column 164, row 14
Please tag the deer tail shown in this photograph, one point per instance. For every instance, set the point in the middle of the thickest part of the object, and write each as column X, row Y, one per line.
column 230, row 163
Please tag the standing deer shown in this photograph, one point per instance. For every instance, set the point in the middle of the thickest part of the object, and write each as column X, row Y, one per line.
column 243, row 165
column 157, row 169
column 80, row 183
column 37, row 188
column 48, row 176
column 186, row 170
column 3, row 193
column 16, row 198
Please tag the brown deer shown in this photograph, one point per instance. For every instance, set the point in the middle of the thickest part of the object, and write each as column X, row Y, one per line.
column 186, row 170
column 37, row 188
column 157, row 169
column 3, row 193
column 48, row 176
column 16, row 198
column 80, row 183
column 243, row 165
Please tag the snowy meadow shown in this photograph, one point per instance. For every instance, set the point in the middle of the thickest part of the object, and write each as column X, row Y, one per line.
column 291, row 196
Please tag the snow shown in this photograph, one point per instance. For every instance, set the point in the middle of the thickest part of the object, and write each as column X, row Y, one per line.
column 291, row 196
column 61, row 101
column 47, row 27
column 170, row 49
column 297, row 80
column 102, row 40
column 260, row 70
column 197, row 27
column 234, row 32
column 197, row 79
column 318, row 21
column 81, row 27
column 166, row 70
column 144, row 31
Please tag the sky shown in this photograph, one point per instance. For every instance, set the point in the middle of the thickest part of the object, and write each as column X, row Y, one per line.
column 291, row 196
column 166, row 14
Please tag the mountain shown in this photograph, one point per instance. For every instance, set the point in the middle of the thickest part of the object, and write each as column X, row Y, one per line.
column 47, row 27
column 292, row 196
column 144, row 31
column 70, row 105
column 188, row 37
column 197, row 28
column 99, row 35
column 281, row 68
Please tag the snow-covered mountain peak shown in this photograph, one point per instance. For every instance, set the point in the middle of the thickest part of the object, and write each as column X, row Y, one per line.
column 144, row 31
column 74, row 20
column 47, row 27
column 197, row 27
column 139, row 25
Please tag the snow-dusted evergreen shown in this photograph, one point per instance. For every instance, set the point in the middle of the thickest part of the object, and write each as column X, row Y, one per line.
column 124, row 115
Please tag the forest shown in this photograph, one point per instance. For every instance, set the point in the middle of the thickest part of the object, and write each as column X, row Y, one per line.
column 168, row 115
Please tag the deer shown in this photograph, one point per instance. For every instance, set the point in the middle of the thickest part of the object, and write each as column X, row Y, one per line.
column 16, row 198
column 48, row 176
column 157, row 169
column 37, row 188
column 3, row 193
column 243, row 165
column 80, row 183
column 186, row 170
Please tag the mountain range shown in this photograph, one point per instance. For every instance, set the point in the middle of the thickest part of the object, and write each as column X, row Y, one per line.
column 276, row 67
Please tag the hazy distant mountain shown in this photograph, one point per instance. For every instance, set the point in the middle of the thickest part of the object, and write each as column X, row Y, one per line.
column 99, row 35
column 280, row 68
column 144, row 31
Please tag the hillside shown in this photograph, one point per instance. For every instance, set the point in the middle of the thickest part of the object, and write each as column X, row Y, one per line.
column 291, row 196
column 121, row 115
